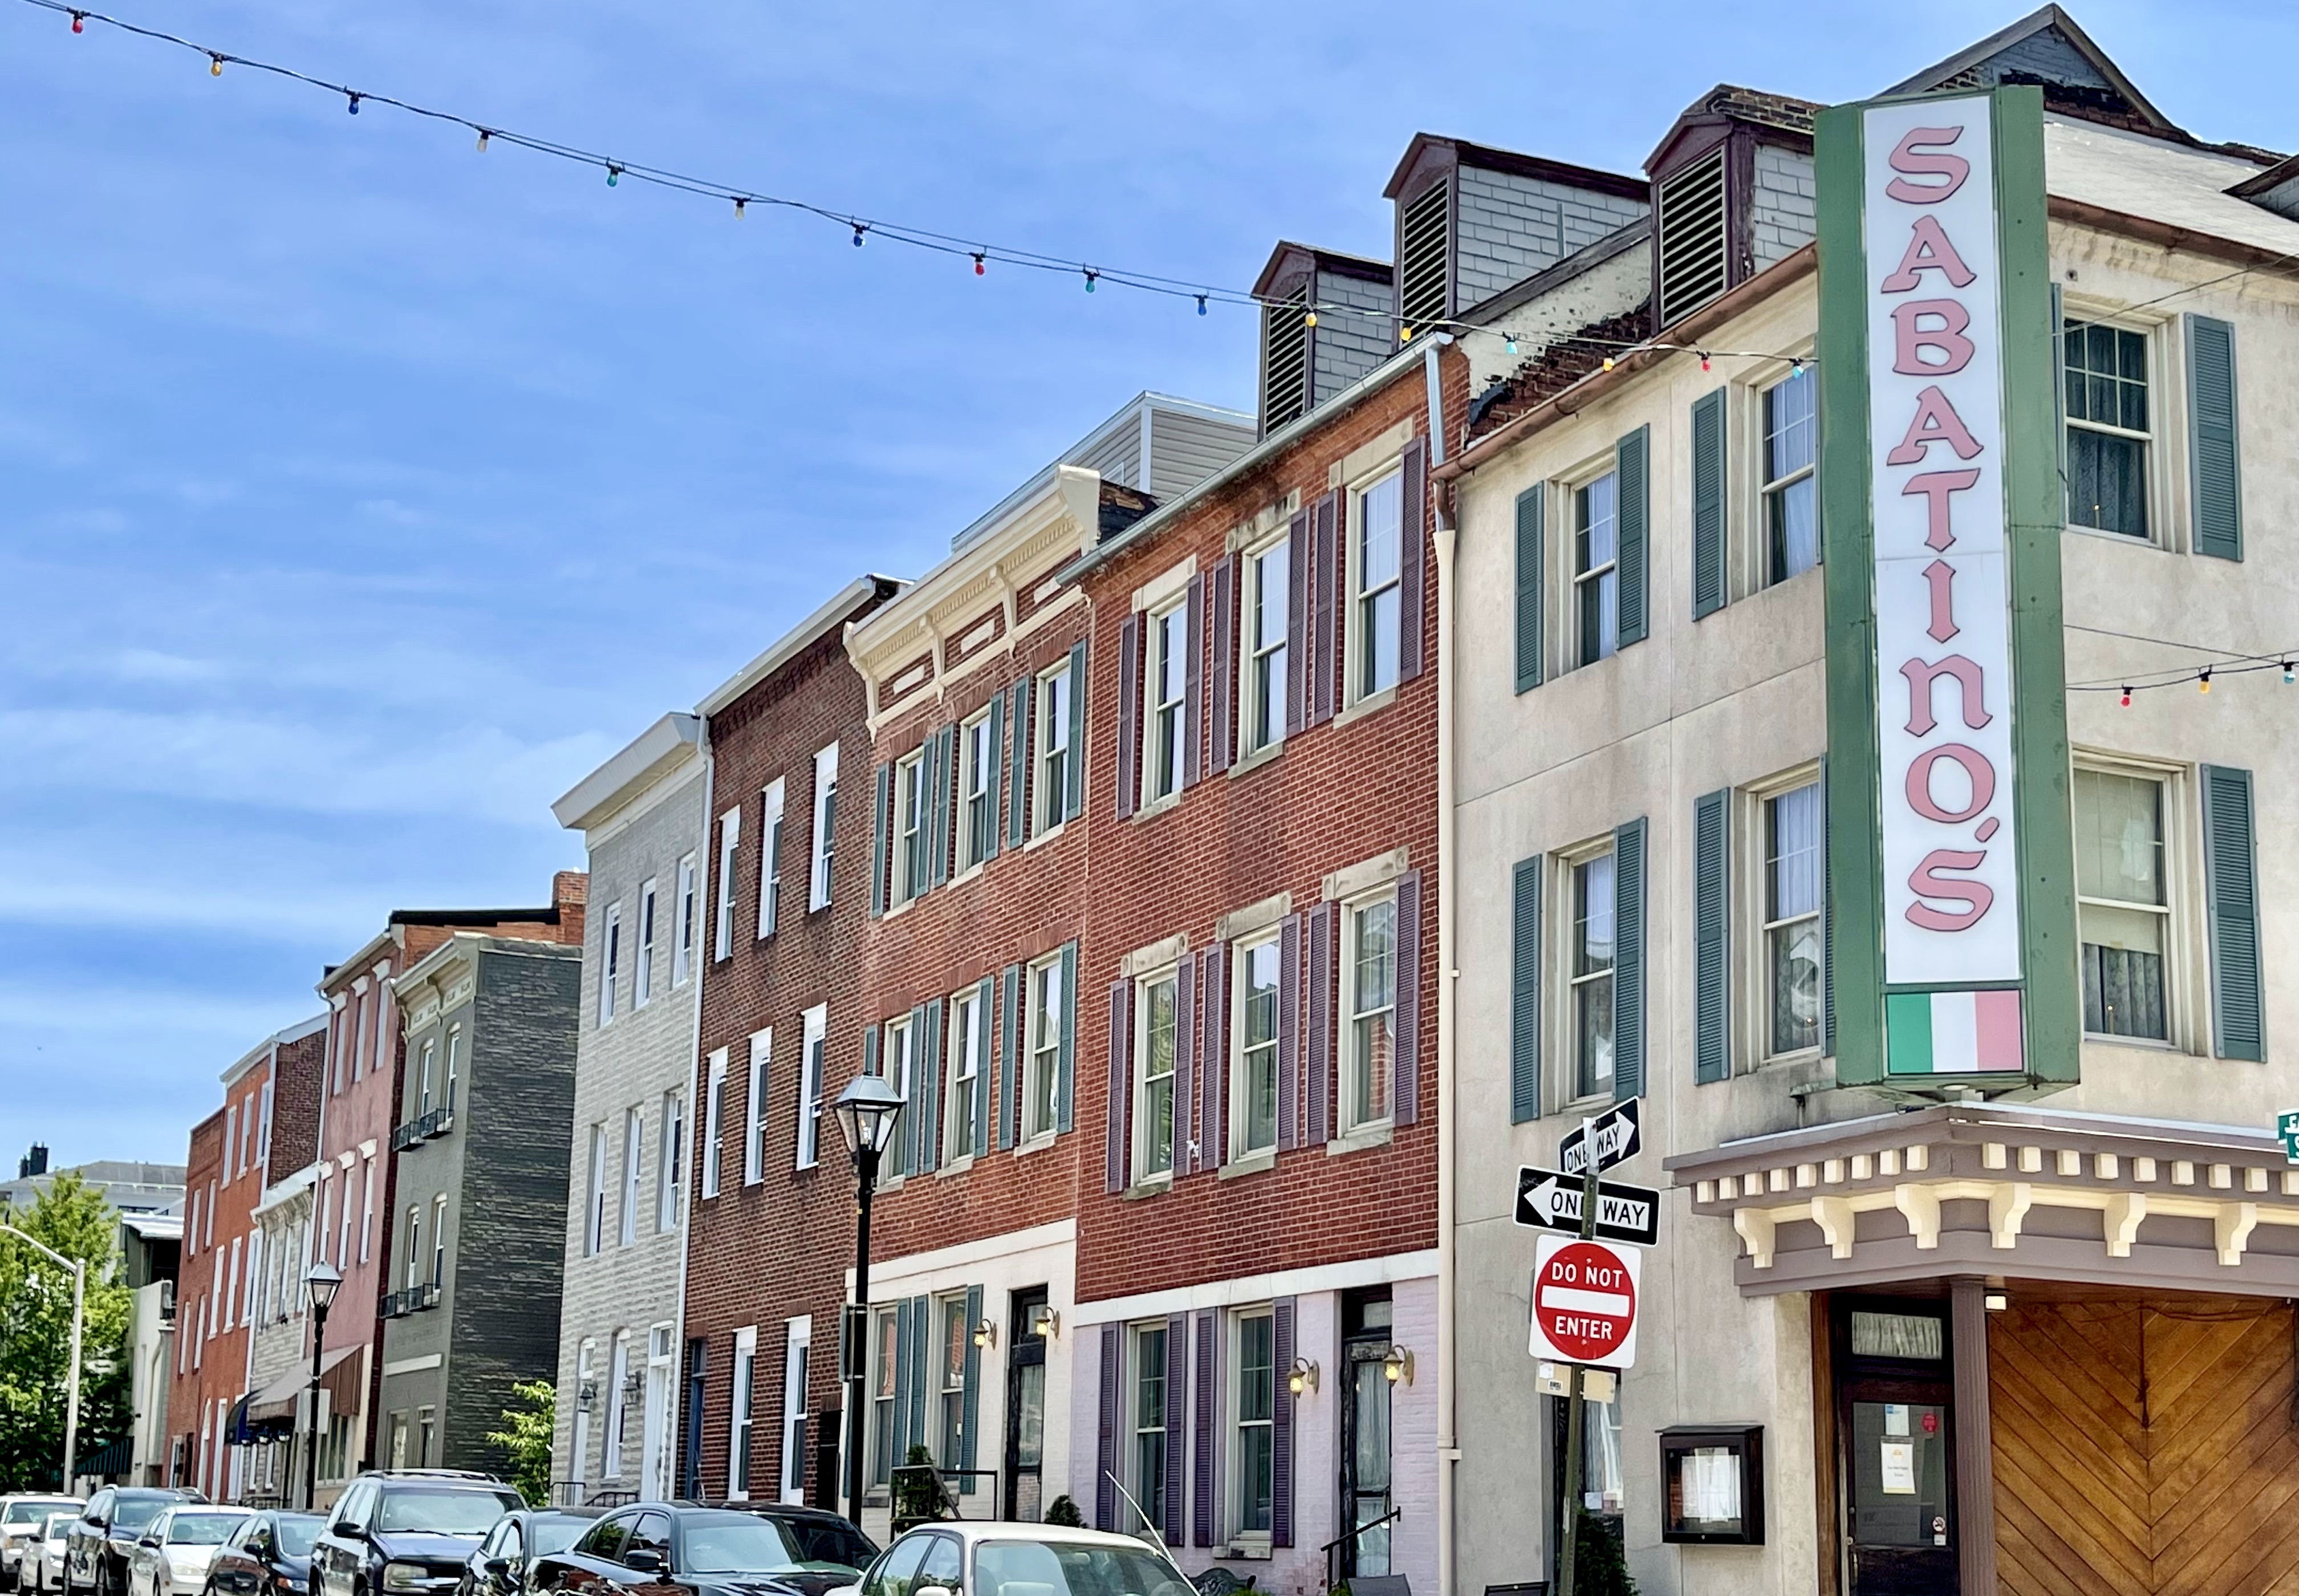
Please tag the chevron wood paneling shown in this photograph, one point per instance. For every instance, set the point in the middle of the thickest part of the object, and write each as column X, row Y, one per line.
column 2145, row 1448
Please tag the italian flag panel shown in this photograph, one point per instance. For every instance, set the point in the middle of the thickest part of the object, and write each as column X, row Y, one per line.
column 1952, row 1033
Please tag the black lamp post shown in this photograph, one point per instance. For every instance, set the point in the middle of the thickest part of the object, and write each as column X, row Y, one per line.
column 867, row 1111
column 322, row 1282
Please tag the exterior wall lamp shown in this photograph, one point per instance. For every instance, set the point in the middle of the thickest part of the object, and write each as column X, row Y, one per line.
column 1045, row 1322
column 985, row 1335
column 1302, row 1377
column 1396, row 1364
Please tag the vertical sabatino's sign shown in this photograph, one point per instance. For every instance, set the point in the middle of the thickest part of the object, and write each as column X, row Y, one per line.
column 1950, row 868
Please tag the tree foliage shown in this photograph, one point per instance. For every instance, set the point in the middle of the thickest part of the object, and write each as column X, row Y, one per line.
column 35, row 1312
column 525, row 1438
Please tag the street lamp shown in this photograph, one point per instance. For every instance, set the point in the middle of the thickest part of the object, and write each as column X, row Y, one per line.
column 322, row 1283
column 866, row 1111
column 80, row 1310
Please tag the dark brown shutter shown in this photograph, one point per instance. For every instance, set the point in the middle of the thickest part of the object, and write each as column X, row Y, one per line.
column 1282, row 1338
column 1325, row 600
column 1104, row 1487
column 1121, row 1081
column 1193, row 683
column 1201, row 1401
column 1184, row 1057
column 1213, row 1069
column 1129, row 713
column 1221, row 722
column 1406, row 1099
column 1289, row 1029
column 1177, row 1439
column 1410, row 552
column 1319, row 986
column 1298, row 585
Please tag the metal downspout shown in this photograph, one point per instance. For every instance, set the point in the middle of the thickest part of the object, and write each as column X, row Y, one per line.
column 1449, row 1451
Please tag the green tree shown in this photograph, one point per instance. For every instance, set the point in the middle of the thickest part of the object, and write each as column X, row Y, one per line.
column 525, row 1438
column 35, row 1312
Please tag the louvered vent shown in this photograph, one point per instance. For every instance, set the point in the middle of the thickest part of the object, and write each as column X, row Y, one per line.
column 1425, row 277
column 1285, row 360
column 1692, row 241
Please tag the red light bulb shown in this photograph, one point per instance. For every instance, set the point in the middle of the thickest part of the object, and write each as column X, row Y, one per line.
column 2127, row 698
column 78, row 25
column 979, row 269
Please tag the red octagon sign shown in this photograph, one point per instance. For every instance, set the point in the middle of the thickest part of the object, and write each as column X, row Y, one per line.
column 1584, row 1303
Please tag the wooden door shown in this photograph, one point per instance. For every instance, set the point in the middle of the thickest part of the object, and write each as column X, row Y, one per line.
column 2145, row 1446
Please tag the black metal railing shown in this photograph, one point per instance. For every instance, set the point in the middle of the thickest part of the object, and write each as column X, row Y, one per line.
column 438, row 1122
column 924, row 1493
column 1332, row 1548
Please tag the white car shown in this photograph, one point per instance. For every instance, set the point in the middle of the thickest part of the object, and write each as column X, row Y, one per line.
column 43, row 1567
column 990, row 1559
column 20, row 1518
column 172, row 1556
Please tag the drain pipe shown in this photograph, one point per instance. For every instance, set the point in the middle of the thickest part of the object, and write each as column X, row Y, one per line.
column 1448, row 1448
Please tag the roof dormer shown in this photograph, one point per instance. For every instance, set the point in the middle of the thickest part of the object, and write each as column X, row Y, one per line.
column 1305, row 358
column 1734, row 193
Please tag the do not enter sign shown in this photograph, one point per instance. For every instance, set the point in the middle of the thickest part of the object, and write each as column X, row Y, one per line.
column 1584, row 1303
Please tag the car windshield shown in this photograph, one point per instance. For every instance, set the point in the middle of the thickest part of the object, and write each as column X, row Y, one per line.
column 134, row 1512
column 30, row 1512
column 202, row 1529
column 830, row 1541
column 296, row 1534
column 1070, row 1568
column 739, row 1543
column 444, row 1512
column 546, row 1535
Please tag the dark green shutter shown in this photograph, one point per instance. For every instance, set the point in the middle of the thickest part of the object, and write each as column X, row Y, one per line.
column 1531, row 506
column 971, row 1416
column 882, row 813
column 921, row 1364
column 1010, row 1058
column 2212, row 456
column 1709, row 583
column 1524, row 991
column 1017, row 800
column 1074, row 800
column 1628, row 960
column 1712, row 936
column 1634, row 486
column 987, row 847
column 906, row 1350
column 2231, row 908
column 926, row 1054
column 984, row 1000
column 1066, row 1087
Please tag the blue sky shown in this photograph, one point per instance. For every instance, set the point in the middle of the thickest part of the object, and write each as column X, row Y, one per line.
column 360, row 492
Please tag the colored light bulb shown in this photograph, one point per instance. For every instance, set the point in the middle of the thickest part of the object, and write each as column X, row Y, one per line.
column 613, row 171
column 483, row 141
column 1089, row 277
column 2287, row 677
column 78, row 25
column 739, row 202
column 980, row 268
column 2203, row 681
column 215, row 66
column 1608, row 362
column 352, row 104
column 1508, row 343
column 2127, row 698
column 1201, row 310
column 857, row 235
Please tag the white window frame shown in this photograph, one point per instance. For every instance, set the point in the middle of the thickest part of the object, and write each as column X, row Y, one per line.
column 1041, row 1062
column 454, row 1065
column 740, row 1413
column 1145, row 1086
column 1597, row 571
column 964, row 1073
column 619, row 1368
column 1259, row 659
column 367, row 1209
column 813, row 1037
column 977, row 792
column 610, row 959
column 668, row 1186
column 770, row 859
column 912, row 815
column 684, row 932
column 1050, row 751
column 2182, row 1024
column 822, row 847
column 897, row 1064
column 411, row 1276
column 1770, row 488
column 2155, row 457
column 427, row 1057
column 713, row 1103
column 1568, row 1010
column 885, row 1391
column 439, row 1242
column 1759, row 902
column 956, row 1333
column 254, row 1277
column 633, row 1171
column 1138, row 1367
column 1362, row 635
column 643, row 966
column 730, row 853
column 1235, row 1424
column 1354, row 1112
column 595, row 1192
column 1241, row 1145
column 754, row 1129
column 798, row 1344
column 1164, row 702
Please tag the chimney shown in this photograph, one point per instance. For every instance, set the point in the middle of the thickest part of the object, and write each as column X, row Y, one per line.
column 570, row 892
column 35, row 1162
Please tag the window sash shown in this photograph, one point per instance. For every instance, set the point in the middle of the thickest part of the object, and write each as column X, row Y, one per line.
column 1053, row 737
column 713, row 1130
column 754, row 1140
column 1253, row 1429
column 1369, row 1001
column 610, row 942
column 730, row 829
column 976, row 800
column 682, row 950
column 1156, row 1052
column 909, row 826
column 810, row 1104
column 1045, row 1064
column 1591, row 979
column 1148, row 1400
column 1254, row 1103
column 1266, row 620
column 667, row 1162
column 1377, row 580
column 825, row 816
column 895, row 1064
column 966, row 1050
column 1596, row 568
column 1161, row 776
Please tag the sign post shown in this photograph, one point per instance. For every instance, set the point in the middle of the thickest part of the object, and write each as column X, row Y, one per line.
column 1575, row 1405
column 1550, row 1199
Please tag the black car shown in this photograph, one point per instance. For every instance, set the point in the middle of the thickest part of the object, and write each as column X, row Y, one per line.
column 269, row 1555
column 407, row 1532
column 503, row 1561
column 98, row 1546
column 664, row 1548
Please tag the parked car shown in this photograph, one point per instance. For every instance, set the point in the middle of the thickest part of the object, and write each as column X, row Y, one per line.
column 269, row 1555
column 102, row 1538
column 20, row 1519
column 173, row 1555
column 43, row 1567
column 504, row 1559
column 407, row 1532
column 988, row 1559
column 665, row 1548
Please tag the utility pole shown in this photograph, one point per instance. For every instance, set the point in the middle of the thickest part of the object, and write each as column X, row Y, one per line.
column 1576, row 1444
column 80, row 1312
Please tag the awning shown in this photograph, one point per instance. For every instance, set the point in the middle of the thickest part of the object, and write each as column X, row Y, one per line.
column 110, row 1461
column 234, row 1426
column 339, row 1376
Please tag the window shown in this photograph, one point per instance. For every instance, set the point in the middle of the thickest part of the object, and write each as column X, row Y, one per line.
column 770, row 860
column 264, row 1135
column 738, row 1440
column 949, row 1382
column 825, row 816
column 895, row 1063
column 619, row 1368
column 230, row 1140
column 611, row 962
column 1253, row 1114
column 969, row 1041
column 1147, row 1399
column 1167, row 692
column 668, row 1164
column 343, row 1236
column 977, row 792
column 2108, row 426
column 796, row 1346
column 1592, row 977
column 1261, row 724
column 2123, row 920
column 439, row 1242
column 1369, row 1004
column 722, row 929
column 1792, row 900
column 594, row 1198
column 1377, row 568
column 681, row 947
column 912, row 810
column 754, row 1136
column 1042, row 1070
column 1601, row 1474
column 882, row 1399
column 1596, row 573
column 1052, row 785
column 634, row 1145
column 713, row 1101
column 643, row 971
column 454, row 1065
column 426, row 1429
column 413, row 1272
column 425, row 1061
column 1253, row 1450
column 1791, row 512
column 1158, row 1036
column 809, row 1090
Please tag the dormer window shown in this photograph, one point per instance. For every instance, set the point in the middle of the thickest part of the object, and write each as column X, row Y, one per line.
column 1695, row 262
column 1424, row 273
column 1733, row 193
column 1285, row 360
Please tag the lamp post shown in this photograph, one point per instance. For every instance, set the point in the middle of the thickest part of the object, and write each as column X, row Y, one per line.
column 322, row 1282
column 867, row 1111
column 80, row 1312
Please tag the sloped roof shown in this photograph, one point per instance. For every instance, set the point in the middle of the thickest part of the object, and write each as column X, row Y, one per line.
column 2044, row 47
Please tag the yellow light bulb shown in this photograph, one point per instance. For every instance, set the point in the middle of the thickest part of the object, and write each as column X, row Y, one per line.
column 1608, row 362
column 1310, row 320
column 215, row 66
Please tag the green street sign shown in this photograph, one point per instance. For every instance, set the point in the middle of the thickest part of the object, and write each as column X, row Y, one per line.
column 2287, row 1125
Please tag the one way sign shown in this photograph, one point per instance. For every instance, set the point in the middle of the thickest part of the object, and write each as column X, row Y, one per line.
column 1618, row 1138
column 1550, row 1199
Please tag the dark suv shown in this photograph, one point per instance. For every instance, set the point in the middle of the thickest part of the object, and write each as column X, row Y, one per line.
column 406, row 1532
column 102, row 1538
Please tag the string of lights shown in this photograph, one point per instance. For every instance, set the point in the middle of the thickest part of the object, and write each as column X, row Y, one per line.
column 2199, row 676
column 861, row 228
